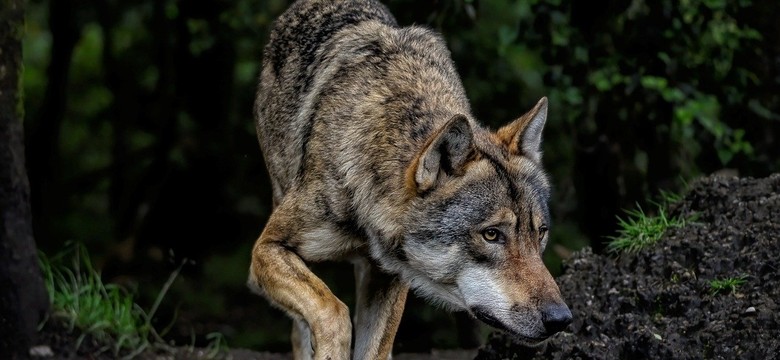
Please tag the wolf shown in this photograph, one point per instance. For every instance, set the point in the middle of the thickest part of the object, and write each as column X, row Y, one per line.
column 375, row 158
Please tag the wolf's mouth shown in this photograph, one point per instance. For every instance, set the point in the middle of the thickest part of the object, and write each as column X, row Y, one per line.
column 488, row 318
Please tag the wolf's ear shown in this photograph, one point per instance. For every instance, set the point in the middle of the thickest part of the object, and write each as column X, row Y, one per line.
column 446, row 151
column 524, row 135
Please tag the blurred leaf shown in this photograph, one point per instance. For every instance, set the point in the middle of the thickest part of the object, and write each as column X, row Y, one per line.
column 202, row 38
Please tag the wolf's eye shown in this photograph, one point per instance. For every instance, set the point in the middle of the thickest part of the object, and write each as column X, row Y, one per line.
column 542, row 230
column 491, row 234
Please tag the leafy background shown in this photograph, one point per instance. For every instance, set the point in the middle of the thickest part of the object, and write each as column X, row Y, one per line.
column 141, row 142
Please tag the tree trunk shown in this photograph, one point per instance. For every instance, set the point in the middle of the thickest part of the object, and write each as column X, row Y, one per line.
column 44, row 129
column 23, row 299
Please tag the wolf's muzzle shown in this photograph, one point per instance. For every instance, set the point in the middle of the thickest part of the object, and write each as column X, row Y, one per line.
column 556, row 317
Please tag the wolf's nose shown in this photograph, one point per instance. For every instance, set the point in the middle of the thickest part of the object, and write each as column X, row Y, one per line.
column 556, row 317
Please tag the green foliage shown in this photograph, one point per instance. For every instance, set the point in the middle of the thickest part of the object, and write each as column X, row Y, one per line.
column 700, row 42
column 679, row 74
column 104, row 311
column 726, row 285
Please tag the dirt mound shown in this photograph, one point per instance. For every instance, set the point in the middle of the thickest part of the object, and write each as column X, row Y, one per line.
column 660, row 303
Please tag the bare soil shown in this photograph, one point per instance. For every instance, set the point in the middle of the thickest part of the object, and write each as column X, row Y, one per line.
column 659, row 304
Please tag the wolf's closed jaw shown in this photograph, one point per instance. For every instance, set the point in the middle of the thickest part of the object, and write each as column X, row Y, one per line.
column 517, row 321
column 486, row 317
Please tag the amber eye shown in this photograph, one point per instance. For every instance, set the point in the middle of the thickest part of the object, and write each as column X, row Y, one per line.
column 491, row 234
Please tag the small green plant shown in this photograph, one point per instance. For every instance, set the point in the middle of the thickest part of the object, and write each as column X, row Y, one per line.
column 727, row 285
column 106, row 312
column 675, row 279
column 217, row 345
column 639, row 230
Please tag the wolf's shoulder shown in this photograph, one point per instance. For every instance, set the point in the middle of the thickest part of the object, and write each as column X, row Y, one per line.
column 307, row 24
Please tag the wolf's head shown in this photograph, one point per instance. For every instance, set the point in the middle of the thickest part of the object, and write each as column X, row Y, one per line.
column 479, row 223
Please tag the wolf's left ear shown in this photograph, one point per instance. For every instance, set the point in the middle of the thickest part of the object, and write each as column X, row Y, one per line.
column 524, row 135
column 447, row 151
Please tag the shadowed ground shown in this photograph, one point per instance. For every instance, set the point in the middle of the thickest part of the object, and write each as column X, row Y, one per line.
column 657, row 304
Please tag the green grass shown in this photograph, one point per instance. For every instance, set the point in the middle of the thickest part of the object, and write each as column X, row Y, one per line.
column 106, row 312
column 639, row 230
column 727, row 285
column 217, row 345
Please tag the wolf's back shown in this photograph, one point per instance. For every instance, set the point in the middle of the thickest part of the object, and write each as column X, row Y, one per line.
column 291, row 63
column 308, row 24
column 291, row 56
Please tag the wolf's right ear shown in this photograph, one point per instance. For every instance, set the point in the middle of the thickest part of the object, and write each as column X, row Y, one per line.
column 446, row 152
column 524, row 135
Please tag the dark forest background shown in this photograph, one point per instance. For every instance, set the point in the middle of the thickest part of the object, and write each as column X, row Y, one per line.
column 140, row 138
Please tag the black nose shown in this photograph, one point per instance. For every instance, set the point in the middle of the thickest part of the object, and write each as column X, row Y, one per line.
column 556, row 317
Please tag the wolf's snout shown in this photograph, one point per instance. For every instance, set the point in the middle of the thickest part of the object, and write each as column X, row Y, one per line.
column 556, row 317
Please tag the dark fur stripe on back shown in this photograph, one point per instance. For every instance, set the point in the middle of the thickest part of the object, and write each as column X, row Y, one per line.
column 312, row 23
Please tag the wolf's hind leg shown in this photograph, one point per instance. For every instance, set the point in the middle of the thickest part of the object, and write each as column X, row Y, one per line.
column 281, row 275
column 380, row 304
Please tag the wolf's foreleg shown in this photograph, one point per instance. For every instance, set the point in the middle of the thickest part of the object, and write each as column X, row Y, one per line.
column 380, row 304
column 279, row 273
column 301, row 340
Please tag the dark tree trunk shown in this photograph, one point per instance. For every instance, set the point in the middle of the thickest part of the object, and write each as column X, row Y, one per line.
column 44, row 134
column 23, row 299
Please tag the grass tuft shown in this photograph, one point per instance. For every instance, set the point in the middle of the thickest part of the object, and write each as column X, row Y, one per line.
column 639, row 231
column 727, row 285
column 106, row 312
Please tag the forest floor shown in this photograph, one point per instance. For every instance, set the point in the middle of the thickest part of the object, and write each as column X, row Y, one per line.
column 660, row 303
column 62, row 345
